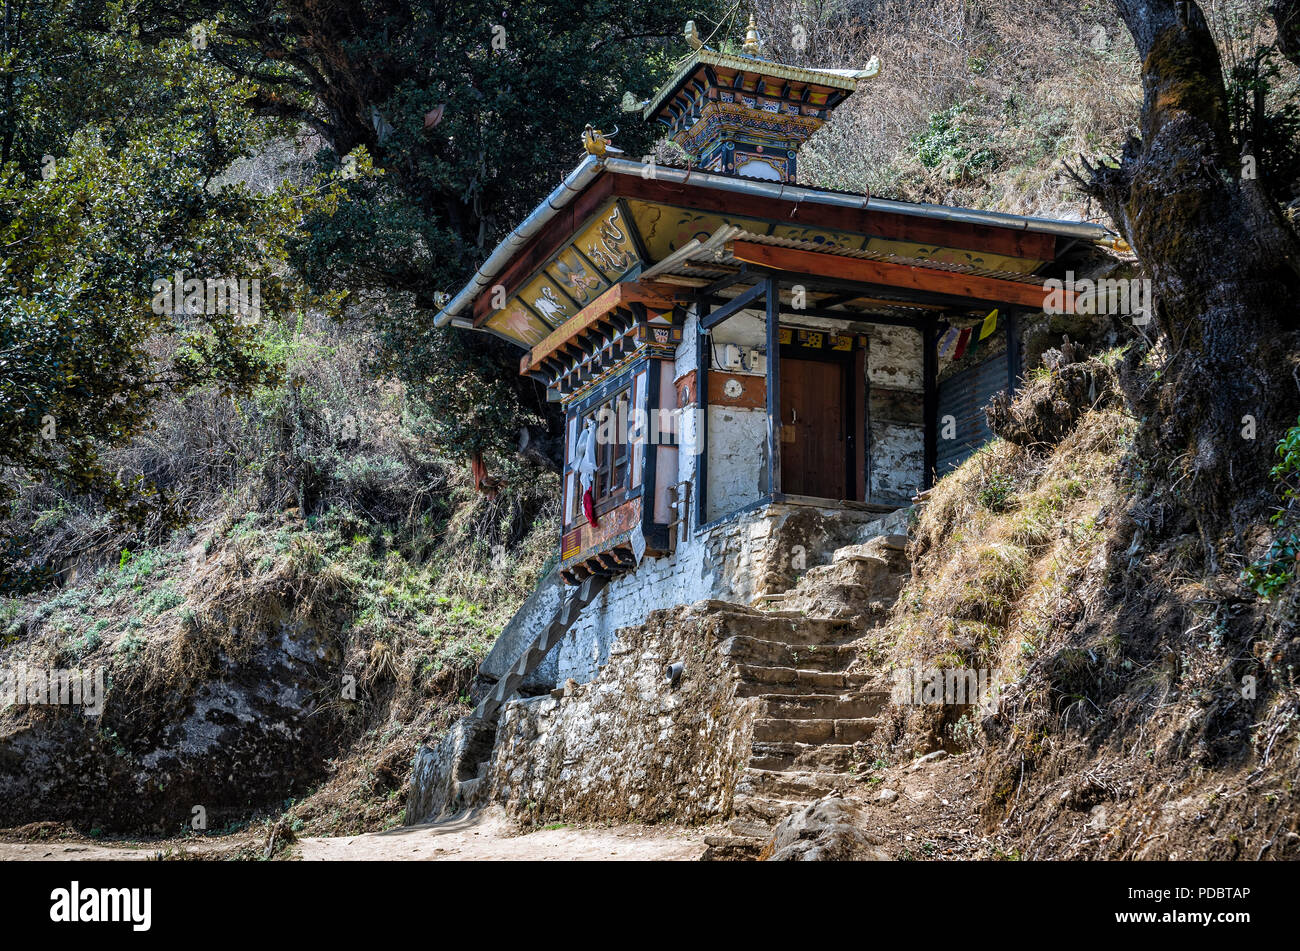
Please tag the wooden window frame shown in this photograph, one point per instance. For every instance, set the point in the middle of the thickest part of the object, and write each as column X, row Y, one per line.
column 610, row 487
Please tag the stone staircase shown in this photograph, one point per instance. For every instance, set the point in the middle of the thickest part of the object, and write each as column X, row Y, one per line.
column 795, row 654
column 533, row 653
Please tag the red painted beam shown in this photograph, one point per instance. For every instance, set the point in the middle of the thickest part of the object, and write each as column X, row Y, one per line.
column 968, row 236
column 887, row 274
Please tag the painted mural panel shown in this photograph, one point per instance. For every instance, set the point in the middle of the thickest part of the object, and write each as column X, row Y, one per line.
column 929, row 252
column 519, row 323
column 664, row 228
column 608, row 244
column 577, row 276
column 597, row 258
column 844, row 240
column 546, row 299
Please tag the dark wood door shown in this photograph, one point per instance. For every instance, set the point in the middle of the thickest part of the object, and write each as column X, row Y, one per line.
column 814, row 457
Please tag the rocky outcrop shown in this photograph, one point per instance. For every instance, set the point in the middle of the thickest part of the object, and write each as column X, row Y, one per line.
column 446, row 777
column 251, row 731
column 829, row 830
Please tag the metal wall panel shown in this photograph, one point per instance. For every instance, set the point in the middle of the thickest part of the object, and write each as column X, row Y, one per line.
column 964, row 396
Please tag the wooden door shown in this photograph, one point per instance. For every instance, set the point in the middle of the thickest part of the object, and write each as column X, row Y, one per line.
column 814, row 456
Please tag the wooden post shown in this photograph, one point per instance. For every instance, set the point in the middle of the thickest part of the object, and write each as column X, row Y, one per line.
column 773, row 388
column 1013, row 352
column 703, row 360
column 930, row 362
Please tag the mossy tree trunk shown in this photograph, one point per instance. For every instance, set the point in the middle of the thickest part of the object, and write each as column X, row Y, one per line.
column 1224, row 264
column 1286, row 14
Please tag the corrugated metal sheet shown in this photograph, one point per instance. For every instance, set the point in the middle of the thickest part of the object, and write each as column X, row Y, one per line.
column 964, row 396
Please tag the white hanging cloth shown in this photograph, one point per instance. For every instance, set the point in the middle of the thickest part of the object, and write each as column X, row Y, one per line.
column 586, row 455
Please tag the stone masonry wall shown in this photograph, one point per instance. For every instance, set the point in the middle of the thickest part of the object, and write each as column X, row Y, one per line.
column 737, row 559
column 895, row 414
column 629, row 746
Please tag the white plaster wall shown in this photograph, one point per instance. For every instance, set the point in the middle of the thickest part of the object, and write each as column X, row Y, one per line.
column 726, row 560
column 737, row 471
column 894, row 359
column 729, row 560
column 898, row 461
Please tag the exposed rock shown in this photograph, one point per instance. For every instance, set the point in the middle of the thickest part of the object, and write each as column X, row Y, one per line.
column 442, row 773
column 927, row 759
column 1047, row 410
column 253, row 731
column 829, row 830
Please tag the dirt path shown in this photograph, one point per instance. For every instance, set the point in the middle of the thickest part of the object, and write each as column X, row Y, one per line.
column 65, row 852
column 489, row 835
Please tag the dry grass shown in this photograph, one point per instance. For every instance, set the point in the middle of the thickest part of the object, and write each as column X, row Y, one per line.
column 316, row 506
column 998, row 546
column 1032, row 84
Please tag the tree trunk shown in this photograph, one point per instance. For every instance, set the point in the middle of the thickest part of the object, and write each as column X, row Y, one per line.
column 1286, row 14
column 1223, row 264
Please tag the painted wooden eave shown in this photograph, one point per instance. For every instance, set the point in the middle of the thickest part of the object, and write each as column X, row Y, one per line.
column 653, row 296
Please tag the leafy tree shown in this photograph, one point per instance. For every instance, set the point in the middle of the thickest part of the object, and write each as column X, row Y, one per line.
column 473, row 111
column 110, row 188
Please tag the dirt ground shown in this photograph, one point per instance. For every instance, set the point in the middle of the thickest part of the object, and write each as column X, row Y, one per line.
column 65, row 852
column 483, row 836
column 489, row 835
column 928, row 810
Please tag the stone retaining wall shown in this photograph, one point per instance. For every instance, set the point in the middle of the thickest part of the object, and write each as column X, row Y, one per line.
column 629, row 746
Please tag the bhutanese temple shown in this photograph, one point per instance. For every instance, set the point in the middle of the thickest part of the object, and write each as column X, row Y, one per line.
column 795, row 363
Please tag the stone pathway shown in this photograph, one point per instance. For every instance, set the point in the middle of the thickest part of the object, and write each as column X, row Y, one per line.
column 817, row 716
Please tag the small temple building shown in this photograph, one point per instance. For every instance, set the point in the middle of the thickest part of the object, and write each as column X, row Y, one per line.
column 793, row 363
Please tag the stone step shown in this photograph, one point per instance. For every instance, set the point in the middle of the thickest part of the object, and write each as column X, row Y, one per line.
column 819, row 706
column 763, row 810
column 750, row 829
column 789, row 784
column 758, row 652
column 760, row 679
column 833, row 757
column 784, row 627
column 777, row 730
column 732, row 848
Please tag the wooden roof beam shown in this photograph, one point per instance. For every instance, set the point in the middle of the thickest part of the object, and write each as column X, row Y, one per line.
column 572, row 330
column 888, row 274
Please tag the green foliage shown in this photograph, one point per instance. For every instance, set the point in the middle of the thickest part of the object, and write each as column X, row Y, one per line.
column 108, row 185
column 515, row 85
column 1264, row 111
column 951, row 148
column 1271, row 575
column 996, row 491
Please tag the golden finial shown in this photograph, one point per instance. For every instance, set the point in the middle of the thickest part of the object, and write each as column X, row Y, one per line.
column 750, row 46
column 597, row 143
column 693, row 36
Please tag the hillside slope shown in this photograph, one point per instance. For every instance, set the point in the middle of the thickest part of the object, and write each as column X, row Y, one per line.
column 1143, row 710
column 322, row 614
